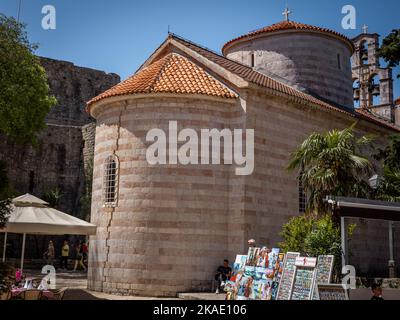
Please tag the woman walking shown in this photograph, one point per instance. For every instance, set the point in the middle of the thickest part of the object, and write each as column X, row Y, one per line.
column 79, row 257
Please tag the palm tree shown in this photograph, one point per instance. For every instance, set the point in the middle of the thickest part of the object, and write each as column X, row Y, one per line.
column 331, row 164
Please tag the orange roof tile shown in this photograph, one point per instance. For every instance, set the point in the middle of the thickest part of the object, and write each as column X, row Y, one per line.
column 371, row 117
column 170, row 74
column 289, row 25
column 397, row 101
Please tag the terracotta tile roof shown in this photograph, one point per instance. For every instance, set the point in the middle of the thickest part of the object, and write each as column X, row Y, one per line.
column 170, row 74
column 289, row 25
column 397, row 101
column 371, row 117
column 262, row 80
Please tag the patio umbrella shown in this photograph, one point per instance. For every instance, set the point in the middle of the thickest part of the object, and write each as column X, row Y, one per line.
column 31, row 215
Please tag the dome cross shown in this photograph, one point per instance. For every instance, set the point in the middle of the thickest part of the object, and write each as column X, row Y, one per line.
column 286, row 13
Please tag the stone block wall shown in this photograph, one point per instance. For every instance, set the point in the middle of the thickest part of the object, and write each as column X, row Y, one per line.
column 272, row 192
column 313, row 61
column 58, row 160
column 172, row 225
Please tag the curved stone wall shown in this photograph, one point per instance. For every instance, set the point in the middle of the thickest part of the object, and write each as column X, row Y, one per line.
column 309, row 60
column 171, row 222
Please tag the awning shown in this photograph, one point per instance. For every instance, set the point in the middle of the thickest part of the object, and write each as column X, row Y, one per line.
column 364, row 208
column 31, row 215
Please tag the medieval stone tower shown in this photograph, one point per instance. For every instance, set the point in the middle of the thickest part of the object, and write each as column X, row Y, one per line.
column 372, row 84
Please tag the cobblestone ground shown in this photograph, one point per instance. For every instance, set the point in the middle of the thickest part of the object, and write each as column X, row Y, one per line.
column 76, row 282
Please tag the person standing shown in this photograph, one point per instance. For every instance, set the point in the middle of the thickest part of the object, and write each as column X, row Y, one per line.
column 85, row 251
column 64, row 255
column 50, row 253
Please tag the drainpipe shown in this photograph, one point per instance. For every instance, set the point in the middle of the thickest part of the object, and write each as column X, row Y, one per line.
column 392, row 263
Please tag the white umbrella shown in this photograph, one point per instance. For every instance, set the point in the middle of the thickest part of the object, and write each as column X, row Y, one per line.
column 31, row 215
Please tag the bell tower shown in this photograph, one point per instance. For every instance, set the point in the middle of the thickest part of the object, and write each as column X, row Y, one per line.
column 372, row 84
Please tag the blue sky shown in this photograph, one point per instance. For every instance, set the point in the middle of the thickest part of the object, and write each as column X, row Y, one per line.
column 118, row 35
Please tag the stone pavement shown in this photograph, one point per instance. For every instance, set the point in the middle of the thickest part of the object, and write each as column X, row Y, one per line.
column 76, row 282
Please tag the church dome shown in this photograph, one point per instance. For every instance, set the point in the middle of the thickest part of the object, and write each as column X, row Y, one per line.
column 172, row 73
column 311, row 59
column 287, row 26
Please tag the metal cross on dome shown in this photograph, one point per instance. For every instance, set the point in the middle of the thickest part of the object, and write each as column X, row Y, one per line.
column 286, row 13
column 365, row 28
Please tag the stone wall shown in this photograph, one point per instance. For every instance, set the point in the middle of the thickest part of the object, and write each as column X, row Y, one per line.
column 58, row 160
column 170, row 229
column 318, row 63
column 272, row 193
column 173, row 224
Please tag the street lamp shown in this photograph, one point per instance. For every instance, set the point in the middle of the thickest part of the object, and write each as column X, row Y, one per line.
column 375, row 181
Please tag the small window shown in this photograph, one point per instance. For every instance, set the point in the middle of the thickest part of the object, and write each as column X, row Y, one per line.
column 339, row 61
column 302, row 199
column 31, row 181
column 252, row 62
column 110, row 185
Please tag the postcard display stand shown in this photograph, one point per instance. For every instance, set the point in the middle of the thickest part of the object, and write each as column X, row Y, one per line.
column 324, row 273
column 289, row 270
column 331, row 292
column 256, row 276
column 304, row 279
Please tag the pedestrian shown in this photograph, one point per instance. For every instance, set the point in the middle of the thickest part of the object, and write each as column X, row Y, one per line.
column 79, row 257
column 85, row 252
column 64, row 255
column 50, row 254
column 223, row 274
column 376, row 291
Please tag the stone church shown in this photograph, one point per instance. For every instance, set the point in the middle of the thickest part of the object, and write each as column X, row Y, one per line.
column 163, row 229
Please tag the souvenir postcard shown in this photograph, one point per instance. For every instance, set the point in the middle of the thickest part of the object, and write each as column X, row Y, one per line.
column 240, row 263
column 262, row 258
column 266, row 290
column 260, row 273
column 250, row 271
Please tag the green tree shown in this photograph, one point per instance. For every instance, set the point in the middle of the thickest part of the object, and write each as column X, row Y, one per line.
column 24, row 94
column 52, row 197
column 390, row 49
column 389, row 188
column 294, row 232
column 313, row 237
column 4, row 194
column 331, row 164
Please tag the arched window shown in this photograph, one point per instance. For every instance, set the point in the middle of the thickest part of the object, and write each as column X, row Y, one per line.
column 302, row 195
column 364, row 57
column 110, row 181
column 356, row 93
column 374, row 90
column 252, row 59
